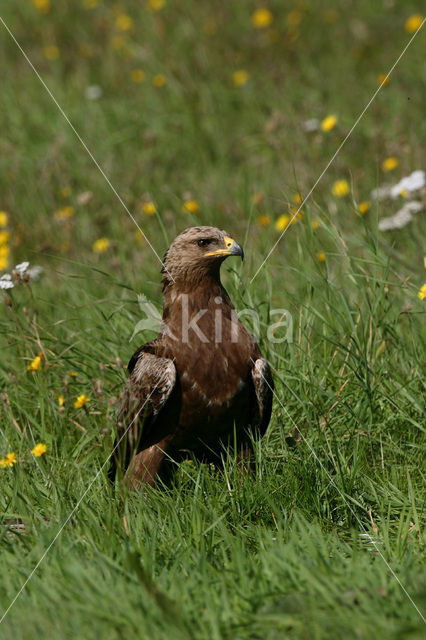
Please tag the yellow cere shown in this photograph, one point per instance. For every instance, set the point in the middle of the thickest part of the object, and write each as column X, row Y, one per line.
column 340, row 188
column 39, row 449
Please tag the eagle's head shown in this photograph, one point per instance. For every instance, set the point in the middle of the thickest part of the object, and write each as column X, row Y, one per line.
column 198, row 252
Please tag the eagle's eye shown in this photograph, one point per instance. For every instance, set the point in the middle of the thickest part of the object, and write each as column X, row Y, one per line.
column 204, row 242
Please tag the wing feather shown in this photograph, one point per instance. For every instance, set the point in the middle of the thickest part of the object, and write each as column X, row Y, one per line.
column 144, row 405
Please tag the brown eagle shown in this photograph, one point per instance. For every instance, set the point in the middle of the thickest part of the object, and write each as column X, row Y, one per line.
column 202, row 385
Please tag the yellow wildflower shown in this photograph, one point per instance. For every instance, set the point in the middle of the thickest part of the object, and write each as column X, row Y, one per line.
column 414, row 22
column 65, row 192
column 4, row 237
column 139, row 237
column 364, row 206
column 297, row 198
column 159, row 80
column 149, row 208
column 340, row 188
column 101, row 245
column 8, row 461
column 240, row 77
column 123, row 22
column 156, row 5
column 35, row 365
column 61, row 401
column 383, row 79
column 3, row 218
column 64, row 213
column 51, row 52
column 294, row 18
column 118, row 42
column 389, row 164
column 38, row 450
column 422, row 292
column 330, row 15
column 273, row 35
column 190, row 205
column 81, row 401
column 42, row 5
column 315, row 224
column 90, row 4
column 86, row 50
column 296, row 215
column 73, row 374
column 281, row 223
column 262, row 18
column 329, row 123
column 4, row 251
column 3, row 263
column 321, row 256
column 138, row 75
column 264, row 220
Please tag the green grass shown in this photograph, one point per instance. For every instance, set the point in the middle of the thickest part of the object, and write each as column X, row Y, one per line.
column 279, row 553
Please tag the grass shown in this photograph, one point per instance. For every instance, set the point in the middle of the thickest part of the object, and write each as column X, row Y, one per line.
column 318, row 541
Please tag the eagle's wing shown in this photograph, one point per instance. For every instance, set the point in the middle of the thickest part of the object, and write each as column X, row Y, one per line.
column 146, row 405
column 263, row 392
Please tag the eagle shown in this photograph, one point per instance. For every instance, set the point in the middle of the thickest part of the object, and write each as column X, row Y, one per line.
column 202, row 386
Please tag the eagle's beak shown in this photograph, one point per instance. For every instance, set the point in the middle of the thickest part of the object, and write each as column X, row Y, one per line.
column 232, row 249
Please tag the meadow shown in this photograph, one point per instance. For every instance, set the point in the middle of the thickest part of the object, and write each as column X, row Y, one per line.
column 174, row 113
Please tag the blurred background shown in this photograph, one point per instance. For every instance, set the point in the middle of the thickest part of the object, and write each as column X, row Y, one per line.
column 222, row 113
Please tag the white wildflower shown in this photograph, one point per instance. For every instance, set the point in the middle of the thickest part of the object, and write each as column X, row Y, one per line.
column 6, row 281
column 381, row 193
column 35, row 272
column 401, row 217
column 93, row 92
column 311, row 125
column 411, row 183
column 22, row 267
